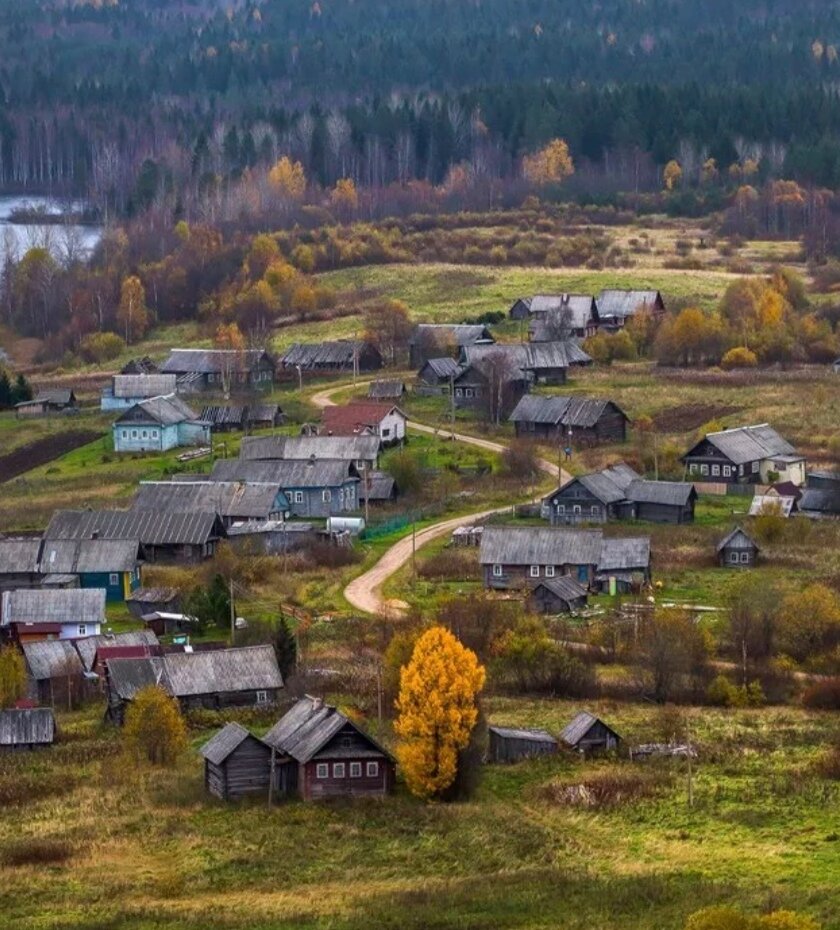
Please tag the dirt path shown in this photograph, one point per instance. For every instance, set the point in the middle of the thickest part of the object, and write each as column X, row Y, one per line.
column 365, row 592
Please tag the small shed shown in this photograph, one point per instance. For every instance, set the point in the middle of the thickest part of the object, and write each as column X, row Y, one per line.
column 264, row 416
column 512, row 744
column 150, row 600
column 737, row 550
column 29, row 728
column 391, row 389
column 588, row 734
column 223, row 419
column 558, row 595
column 236, row 764
column 60, row 400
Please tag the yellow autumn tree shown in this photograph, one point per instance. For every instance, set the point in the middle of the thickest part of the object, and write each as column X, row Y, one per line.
column 132, row 313
column 288, row 178
column 229, row 337
column 672, row 175
column 12, row 676
column 438, row 710
column 154, row 728
column 550, row 165
column 344, row 196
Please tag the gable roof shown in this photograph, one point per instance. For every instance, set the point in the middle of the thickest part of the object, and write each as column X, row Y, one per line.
column 460, row 334
column 150, row 527
column 377, row 486
column 565, row 587
column 521, row 545
column 258, row 413
column 671, row 493
column 64, row 605
column 350, row 419
column 521, row 359
column 51, row 658
column 61, row 397
column 32, row 726
column 624, row 554
column 303, row 448
column 526, row 733
column 76, row 556
column 579, row 305
column 621, row 483
column 580, row 725
column 618, row 304
column 738, row 539
column 307, row 728
column 143, row 385
column 340, row 352
column 165, row 411
column 391, row 389
column 330, row 473
column 19, row 556
column 442, row 368
column 90, row 645
column 227, row 498
column 820, row 501
column 218, row 415
column 557, row 410
column 213, row 361
column 748, row 444
column 223, row 743
column 184, row 674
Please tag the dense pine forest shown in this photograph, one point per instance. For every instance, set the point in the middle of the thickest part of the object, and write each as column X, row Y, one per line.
column 128, row 102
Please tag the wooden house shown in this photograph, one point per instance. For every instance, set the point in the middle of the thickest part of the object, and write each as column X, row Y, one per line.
column 312, row 488
column 320, row 753
column 438, row 340
column 579, row 421
column 378, row 487
column 233, row 501
column 126, row 390
column 93, row 650
column 562, row 594
column 514, row 557
column 587, row 734
column 30, row 728
column 212, row 680
column 342, row 355
column 225, row 418
column 737, row 550
column 382, row 390
column 560, row 316
column 164, row 536
column 513, row 744
column 159, row 424
column 54, row 671
column 20, row 563
column 110, row 564
column 147, row 600
column 58, row 400
column 359, row 451
column 214, row 369
column 616, row 307
column 439, row 373
column 745, row 455
column 236, row 764
column 374, row 418
column 30, row 615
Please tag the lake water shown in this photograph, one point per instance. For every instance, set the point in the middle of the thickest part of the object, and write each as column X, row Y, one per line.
column 65, row 241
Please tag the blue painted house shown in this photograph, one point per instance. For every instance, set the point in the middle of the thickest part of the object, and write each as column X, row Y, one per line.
column 125, row 391
column 158, row 424
column 110, row 564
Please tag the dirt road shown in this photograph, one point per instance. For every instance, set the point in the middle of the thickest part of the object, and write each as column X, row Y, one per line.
column 365, row 592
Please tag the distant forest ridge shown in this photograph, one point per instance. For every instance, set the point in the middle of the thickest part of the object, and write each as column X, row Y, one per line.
column 122, row 101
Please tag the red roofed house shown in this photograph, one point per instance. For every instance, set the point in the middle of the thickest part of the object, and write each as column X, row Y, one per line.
column 365, row 417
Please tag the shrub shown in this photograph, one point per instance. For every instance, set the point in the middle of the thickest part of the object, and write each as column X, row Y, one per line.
column 450, row 566
column 326, row 555
column 739, row 357
column 823, row 695
column 610, row 788
column 154, row 728
column 724, row 693
column 101, row 347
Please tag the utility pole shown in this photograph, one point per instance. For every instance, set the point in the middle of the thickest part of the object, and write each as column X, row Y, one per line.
column 355, row 357
column 690, row 773
column 271, row 776
column 232, row 613
column 366, row 479
column 452, row 404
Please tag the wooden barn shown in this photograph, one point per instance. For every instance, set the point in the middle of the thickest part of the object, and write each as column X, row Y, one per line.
column 265, row 416
column 737, row 550
column 512, row 744
column 236, row 764
column 29, row 728
column 558, row 595
column 61, row 400
column 587, row 734
column 439, row 373
column 330, row 357
column 225, row 418
column 581, row 421
column 148, row 600
column 386, row 390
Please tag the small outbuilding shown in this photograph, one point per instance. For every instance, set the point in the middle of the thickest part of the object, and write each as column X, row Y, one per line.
column 588, row 734
column 148, row 600
column 512, row 744
column 737, row 550
column 558, row 595
column 60, row 400
column 236, row 764
column 29, row 728
column 391, row 389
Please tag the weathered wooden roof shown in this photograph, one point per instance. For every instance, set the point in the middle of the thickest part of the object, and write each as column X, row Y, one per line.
column 303, row 448
column 64, row 605
column 19, row 556
column 670, row 493
column 140, row 366
column 285, row 474
column 564, row 587
column 228, row 498
column 523, row 733
column 217, row 415
column 340, row 352
column 51, row 658
column 76, row 556
column 386, row 389
column 161, row 411
column 749, row 444
column 259, row 413
column 152, row 595
column 738, row 539
column 557, row 410
column 223, row 743
column 520, row 545
column 557, row 354
column 32, row 726
column 443, row 368
column 150, row 527
column 621, row 483
column 61, row 397
column 624, row 553
column 143, row 385
column 824, row 501
column 580, row 725
column 618, row 304
column 376, row 486
column 213, row 361
column 88, row 646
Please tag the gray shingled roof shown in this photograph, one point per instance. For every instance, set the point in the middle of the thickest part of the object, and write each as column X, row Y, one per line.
column 602, row 487
column 33, row 726
column 260, row 413
column 566, row 411
column 219, row 415
column 627, row 553
column 618, row 304
column 820, row 501
column 750, row 444
column 525, row 358
column 70, row 605
column 151, row 385
column 150, row 527
column 228, row 498
column 223, row 743
column 579, row 726
column 19, row 556
column 386, row 390
column 565, row 587
column 443, row 368
column 303, row 448
column 163, row 411
column 526, row 733
column 672, row 493
column 211, row 361
column 285, row 474
column 555, row 355
column 526, row 545
column 51, row 658
column 316, row 354
column 621, row 474
column 737, row 539
column 377, row 486
column 460, row 334
column 74, row 556
column 183, row 674
column 88, row 646
column 61, row 397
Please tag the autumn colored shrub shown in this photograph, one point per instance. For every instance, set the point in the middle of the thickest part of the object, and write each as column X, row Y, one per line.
column 822, row 695
column 154, row 728
column 739, row 357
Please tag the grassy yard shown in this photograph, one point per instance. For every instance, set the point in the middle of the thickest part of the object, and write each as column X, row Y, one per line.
column 128, row 848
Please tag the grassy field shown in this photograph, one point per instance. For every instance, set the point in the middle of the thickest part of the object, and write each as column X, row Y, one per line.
column 96, row 843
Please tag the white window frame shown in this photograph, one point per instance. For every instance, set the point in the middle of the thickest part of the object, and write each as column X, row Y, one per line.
column 755, row 468
column 113, row 579
column 692, row 468
column 326, row 496
column 727, row 471
column 745, row 558
column 339, row 770
column 704, row 469
column 322, row 770
column 82, row 629
column 576, row 508
column 372, row 770
column 262, row 697
column 549, row 571
column 733, row 557
column 124, row 433
column 498, row 571
column 134, row 434
column 561, row 508
column 716, row 470
column 535, row 571
column 355, row 769
column 298, row 497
